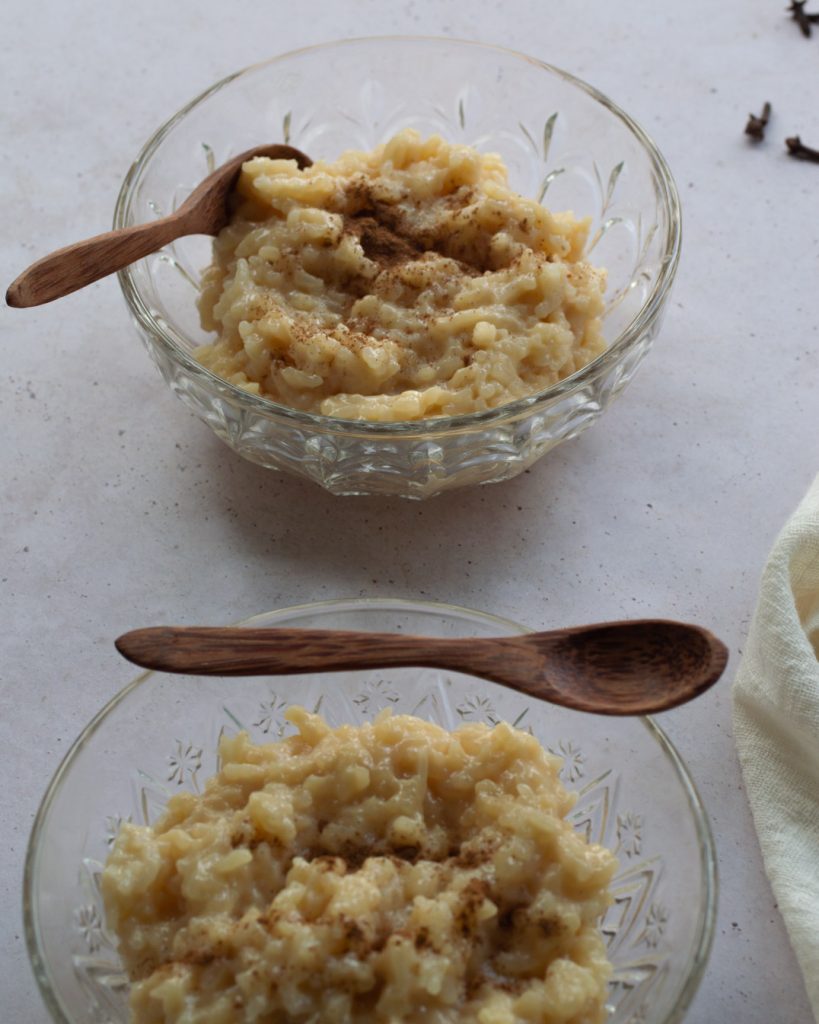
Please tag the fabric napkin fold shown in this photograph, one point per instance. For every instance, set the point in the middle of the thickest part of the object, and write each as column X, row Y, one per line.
column 776, row 727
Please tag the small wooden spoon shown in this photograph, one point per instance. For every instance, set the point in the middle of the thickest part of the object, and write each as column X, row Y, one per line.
column 205, row 212
column 612, row 668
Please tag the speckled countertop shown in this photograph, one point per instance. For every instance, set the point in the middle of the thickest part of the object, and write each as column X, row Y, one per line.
column 120, row 509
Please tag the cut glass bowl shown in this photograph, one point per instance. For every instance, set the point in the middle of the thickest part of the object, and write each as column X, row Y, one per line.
column 563, row 142
column 160, row 735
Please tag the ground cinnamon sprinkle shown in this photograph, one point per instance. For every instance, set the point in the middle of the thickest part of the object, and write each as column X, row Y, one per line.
column 387, row 873
column 401, row 284
column 380, row 243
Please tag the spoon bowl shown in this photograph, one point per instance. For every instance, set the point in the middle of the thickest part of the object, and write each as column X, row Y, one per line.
column 634, row 667
column 205, row 212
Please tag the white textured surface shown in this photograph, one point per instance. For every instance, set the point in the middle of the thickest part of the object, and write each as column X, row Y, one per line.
column 119, row 509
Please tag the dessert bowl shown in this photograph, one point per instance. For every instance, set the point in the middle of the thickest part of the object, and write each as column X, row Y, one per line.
column 159, row 736
column 564, row 144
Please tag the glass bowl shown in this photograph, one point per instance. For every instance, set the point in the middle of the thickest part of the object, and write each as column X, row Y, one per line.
column 564, row 143
column 159, row 736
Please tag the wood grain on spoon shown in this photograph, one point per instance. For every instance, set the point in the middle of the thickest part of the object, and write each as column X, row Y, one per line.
column 617, row 668
column 205, row 212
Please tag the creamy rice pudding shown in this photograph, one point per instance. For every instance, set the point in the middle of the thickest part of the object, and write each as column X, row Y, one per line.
column 382, row 873
column 399, row 284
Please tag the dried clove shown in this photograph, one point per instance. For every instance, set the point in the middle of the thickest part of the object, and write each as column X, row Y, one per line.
column 802, row 18
column 797, row 149
column 756, row 125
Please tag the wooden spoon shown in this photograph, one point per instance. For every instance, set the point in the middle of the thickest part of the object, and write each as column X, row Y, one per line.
column 612, row 668
column 205, row 212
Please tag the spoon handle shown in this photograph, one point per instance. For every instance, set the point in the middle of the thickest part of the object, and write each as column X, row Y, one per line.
column 74, row 266
column 228, row 651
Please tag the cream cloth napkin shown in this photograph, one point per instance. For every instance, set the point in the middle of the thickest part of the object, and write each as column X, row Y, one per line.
column 776, row 726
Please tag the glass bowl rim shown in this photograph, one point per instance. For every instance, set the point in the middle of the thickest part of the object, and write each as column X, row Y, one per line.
column 708, row 860
column 173, row 341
